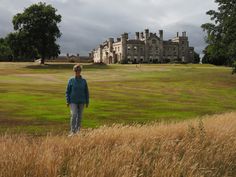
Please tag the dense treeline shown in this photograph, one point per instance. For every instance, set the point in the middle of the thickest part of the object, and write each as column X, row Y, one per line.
column 5, row 50
column 221, row 34
column 35, row 35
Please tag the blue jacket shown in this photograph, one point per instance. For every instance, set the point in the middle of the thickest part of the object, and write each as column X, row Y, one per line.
column 77, row 91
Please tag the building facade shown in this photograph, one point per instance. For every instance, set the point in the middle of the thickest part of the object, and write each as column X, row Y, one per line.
column 145, row 48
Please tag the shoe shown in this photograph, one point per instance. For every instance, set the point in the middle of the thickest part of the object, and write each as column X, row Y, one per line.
column 71, row 134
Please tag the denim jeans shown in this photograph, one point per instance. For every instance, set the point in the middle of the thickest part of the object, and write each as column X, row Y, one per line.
column 76, row 111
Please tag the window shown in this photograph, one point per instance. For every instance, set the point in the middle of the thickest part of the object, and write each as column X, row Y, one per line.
column 153, row 41
column 135, row 47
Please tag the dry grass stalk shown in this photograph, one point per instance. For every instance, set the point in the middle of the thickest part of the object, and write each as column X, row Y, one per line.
column 205, row 147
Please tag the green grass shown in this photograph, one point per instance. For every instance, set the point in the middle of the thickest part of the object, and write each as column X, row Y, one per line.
column 32, row 97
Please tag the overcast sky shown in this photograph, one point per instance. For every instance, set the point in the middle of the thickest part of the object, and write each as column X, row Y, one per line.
column 87, row 23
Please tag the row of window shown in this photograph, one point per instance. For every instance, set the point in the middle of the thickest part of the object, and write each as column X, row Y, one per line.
column 150, row 57
column 117, row 49
column 134, row 48
column 170, row 54
column 170, row 48
column 151, row 48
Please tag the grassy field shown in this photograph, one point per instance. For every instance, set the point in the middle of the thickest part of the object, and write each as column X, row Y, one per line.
column 192, row 148
column 32, row 97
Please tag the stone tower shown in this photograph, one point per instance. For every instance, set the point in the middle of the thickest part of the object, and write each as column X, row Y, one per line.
column 124, row 38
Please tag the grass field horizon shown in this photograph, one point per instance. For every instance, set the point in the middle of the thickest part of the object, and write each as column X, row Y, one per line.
column 32, row 97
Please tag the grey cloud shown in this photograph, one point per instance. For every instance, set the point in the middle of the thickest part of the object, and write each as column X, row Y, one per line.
column 5, row 22
column 86, row 23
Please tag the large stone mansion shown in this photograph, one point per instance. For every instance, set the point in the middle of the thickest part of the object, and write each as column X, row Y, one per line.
column 145, row 48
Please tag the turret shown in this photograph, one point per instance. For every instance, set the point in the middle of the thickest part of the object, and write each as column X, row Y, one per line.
column 124, row 38
column 161, row 44
column 110, row 44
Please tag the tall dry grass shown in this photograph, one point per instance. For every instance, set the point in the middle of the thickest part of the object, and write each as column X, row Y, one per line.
column 191, row 148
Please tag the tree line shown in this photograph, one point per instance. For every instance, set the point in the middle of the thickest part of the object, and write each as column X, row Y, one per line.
column 221, row 35
column 35, row 33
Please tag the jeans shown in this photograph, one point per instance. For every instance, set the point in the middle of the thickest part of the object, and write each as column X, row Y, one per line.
column 76, row 111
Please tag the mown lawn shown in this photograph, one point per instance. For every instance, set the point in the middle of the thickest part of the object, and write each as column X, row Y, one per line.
column 32, row 97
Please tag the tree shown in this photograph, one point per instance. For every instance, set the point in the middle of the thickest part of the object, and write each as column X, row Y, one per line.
column 37, row 28
column 21, row 47
column 221, row 35
column 5, row 51
column 196, row 57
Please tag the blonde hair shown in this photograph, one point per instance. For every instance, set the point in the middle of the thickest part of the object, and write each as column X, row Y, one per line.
column 77, row 67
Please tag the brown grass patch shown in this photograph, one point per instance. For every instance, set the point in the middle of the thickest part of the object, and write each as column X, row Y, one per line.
column 202, row 147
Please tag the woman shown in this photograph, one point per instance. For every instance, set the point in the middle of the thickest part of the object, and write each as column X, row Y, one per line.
column 77, row 96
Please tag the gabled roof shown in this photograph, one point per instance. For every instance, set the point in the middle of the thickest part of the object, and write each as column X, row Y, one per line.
column 153, row 36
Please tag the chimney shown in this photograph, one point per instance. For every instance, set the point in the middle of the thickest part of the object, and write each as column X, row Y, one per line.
column 137, row 35
column 184, row 34
column 146, row 33
column 161, row 34
column 118, row 39
column 141, row 35
column 177, row 34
